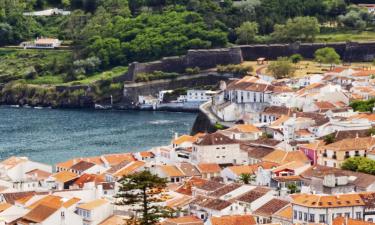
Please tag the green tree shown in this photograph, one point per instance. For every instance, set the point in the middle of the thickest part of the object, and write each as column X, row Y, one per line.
column 281, row 68
column 327, row 55
column 246, row 32
column 328, row 139
column 296, row 58
column 297, row 29
column 356, row 18
column 246, row 178
column 141, row 190
column 292, row 188
column 359, row 164
column 363, row 106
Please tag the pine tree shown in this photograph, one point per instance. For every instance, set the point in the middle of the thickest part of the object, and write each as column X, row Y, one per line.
column 142, row 191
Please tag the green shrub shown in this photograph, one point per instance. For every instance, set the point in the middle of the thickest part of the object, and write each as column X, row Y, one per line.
column 238, row 70
column 194, row 70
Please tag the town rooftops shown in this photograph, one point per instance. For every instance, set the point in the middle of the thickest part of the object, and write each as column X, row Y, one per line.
column 360, row 143
column 211, row 185
column 209, row 168
column 253, row 195
column 244, row 128
column 215, row 139
column 282, row 157
column 189, row 169
column 256, row 152
column 129, row 169
column 327, row 201
column 172, row 171
column 39, row 174
column 13, row 161
column 361, row 180
column 184, row 220
column 39, row 213
column 64, row 176
column 210, row 203
column 285, row 213
column 233, row 220
column 349, row 221
column 93, row 204
column 187, row 138
column 225, row 190
column 82, row 166
column 271, row 207
column 278, row 110
column 13, row 196
column 86, row 178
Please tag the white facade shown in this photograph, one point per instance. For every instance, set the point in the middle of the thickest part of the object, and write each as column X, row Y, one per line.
column 95, row 215
column 220, row 154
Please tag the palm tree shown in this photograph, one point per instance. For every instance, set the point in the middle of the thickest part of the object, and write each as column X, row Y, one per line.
column 246, row 178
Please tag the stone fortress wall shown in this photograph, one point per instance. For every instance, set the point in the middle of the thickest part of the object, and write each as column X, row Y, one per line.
column 210, row 58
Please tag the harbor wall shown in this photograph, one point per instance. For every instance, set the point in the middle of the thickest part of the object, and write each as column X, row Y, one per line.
column 133, row 90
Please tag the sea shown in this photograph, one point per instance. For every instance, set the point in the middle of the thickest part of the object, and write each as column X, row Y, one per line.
column 56, row 135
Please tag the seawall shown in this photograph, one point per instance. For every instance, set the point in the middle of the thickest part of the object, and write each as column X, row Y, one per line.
column 133, row 90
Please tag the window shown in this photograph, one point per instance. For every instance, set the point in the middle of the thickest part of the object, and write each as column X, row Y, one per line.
column 295, row 214
column 300, row 215
column 312, row 217
column 339, row 215
column 347, row 215
column 358, row 215
column 322, row 218
column 305, row 217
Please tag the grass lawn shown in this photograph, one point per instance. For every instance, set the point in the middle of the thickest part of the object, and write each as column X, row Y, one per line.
column 347, row 36
column 306, row 67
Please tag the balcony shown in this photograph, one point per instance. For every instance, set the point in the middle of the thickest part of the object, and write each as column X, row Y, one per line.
column 334, row 157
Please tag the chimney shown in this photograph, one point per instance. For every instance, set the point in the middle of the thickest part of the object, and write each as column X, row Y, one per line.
column 175, row 135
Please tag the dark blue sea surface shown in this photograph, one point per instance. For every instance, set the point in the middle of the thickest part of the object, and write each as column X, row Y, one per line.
column 50, row 135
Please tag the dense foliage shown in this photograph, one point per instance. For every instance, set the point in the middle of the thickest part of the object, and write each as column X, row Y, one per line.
column 359, row 164
column 363, row 106
column 103, row 34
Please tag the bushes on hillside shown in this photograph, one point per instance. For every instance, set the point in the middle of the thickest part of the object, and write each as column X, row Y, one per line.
column 238, row 70
column 156, row 75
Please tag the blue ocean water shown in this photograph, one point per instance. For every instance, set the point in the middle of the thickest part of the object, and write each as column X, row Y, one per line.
column 50, row 135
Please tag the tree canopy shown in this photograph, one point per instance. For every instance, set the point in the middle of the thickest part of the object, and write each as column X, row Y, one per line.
column 281, row 68
column 141, row 190
column 327, row 55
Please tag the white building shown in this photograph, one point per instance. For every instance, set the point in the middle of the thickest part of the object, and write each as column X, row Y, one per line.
column 199, row 95
column 310, row 208
column 42, row 43
column 218, row 148
column 95, row 212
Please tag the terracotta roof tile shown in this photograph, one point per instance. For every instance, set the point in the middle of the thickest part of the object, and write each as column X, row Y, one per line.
column 82, row 166
column 64, row 176
column 253, row 195
column 349, row 221
column 129, row 169
column 328, row 201
column 86, row 178
column 244, row 128
column 209, row 168
column 271, row 207
column 233, row 220
column 40, row 213
column 172, row 171
column 184, row 220
column 285, row 213
column 93, row 204
column 209, row 203
column 215, row 139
